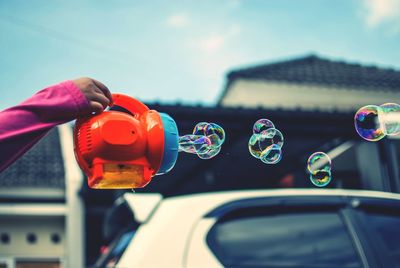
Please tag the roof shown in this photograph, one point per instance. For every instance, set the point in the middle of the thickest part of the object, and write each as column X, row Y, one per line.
column 316, row 70
column 41, row 167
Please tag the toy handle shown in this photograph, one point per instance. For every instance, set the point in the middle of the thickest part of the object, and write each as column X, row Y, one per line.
column 135, row 107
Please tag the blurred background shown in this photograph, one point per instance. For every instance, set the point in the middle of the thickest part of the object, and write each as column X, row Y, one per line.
column 306, row 65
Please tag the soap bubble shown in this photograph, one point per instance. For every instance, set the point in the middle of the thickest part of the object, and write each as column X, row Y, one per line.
column 271, row 155
column 368, row 123
column 271, row 136
column 260, row 142
column 200, row 128
column 254, row 146
column 211, row 130
column 319, row 166
column 207, row 129
column 319, row 161
column 391, row 118
column 205, row 141
column 266, row 142
column 215, row 140
column 261, row 125
column 209, row 153
column 321, row 178
column 193, row 143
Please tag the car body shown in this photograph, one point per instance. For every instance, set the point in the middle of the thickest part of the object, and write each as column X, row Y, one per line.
column 263, row 228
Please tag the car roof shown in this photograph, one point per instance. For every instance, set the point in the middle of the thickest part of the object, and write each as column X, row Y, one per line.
column 289, row 192
column 143, row 205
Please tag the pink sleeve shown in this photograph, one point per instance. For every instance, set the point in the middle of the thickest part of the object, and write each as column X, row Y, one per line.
column 24, row 125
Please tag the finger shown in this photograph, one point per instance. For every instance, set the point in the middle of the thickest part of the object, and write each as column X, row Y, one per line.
column 96, row 107
column 104, row 89
column 99, row 97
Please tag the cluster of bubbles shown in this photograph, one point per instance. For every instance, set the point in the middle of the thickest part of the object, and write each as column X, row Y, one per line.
column 205, row 141
column 374, row 122
column 319, row 166
column 266, row 142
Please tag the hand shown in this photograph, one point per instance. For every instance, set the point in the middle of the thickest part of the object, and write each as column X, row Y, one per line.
column 97, row 94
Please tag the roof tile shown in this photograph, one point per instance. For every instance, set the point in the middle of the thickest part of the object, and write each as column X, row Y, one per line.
column 315, row 70
column 41, row 167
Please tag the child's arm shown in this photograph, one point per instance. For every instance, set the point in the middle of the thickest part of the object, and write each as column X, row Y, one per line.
column 24, row 125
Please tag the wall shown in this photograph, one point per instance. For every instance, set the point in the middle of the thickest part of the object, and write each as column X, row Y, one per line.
column 260, row 93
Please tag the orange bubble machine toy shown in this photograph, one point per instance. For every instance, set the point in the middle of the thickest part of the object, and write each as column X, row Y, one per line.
column 125, row 146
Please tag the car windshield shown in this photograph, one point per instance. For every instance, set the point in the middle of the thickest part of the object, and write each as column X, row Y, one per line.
column 113, row 252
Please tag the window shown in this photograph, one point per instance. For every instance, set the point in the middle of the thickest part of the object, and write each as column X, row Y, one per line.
column 307, row 239
column 386, row 227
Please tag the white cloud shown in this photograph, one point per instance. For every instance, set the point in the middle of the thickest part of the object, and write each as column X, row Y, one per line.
column 212, row 43
column 377, row 12
column 215, row 42
column 178, row 20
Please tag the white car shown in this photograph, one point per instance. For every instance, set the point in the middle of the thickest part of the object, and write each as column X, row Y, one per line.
column 267, row 228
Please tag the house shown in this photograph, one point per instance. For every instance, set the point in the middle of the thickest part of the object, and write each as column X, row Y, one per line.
column 41, row 212
column 311, row 83
column 316, row 84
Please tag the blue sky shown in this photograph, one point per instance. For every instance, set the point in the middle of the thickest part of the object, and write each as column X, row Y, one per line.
column 171, row 51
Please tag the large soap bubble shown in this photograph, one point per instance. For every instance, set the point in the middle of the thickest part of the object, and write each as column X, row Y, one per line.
column 319, row 166
column 266, row 142
column 368, row 123
column 272, row 154
column 319, row 161
column 211, row 130
column 261, row 125
column 194, row 143
column 391, row 118
column 321, row 178
column 205, row 141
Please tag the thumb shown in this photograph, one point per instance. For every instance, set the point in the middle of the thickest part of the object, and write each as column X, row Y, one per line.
column 96, row 107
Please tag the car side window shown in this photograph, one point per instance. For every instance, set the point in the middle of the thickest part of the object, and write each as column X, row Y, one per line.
column 296, row 239
column 387, row 230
